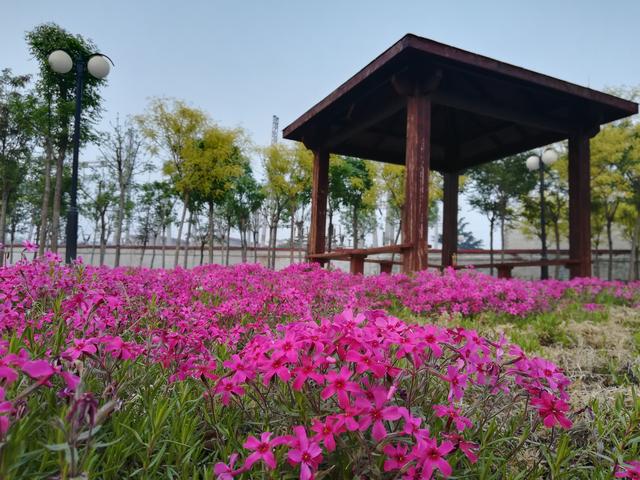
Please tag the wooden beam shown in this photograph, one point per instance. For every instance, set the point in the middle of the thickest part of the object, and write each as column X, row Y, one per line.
column 416, row 205
column 367, row 118
column 320, row 186
column 450, row 218
column 490, row 109
column 580, row 204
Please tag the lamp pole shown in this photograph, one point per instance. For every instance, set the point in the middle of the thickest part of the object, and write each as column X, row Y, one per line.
column 538, row 162
column 98, row 66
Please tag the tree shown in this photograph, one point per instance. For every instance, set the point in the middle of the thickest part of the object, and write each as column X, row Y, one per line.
column 57, row 94
column 15, row 144
column 211, row 164
column 608, row 183
column 494, row 188
column 556, row 206
column 241, row 201
column 355, row 199
column 466, row 239
column 170, row 126
column 98, row 202
column 121, row 156
column 157, row 200
column 278, row 161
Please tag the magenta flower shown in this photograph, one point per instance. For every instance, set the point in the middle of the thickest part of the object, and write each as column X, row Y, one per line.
column 5, row 409
column 262, row 450
column 457, row 382
column 226, row 387
column 397, row 457
column 454, row 416
column 338, row 383
column 38, row 369
column 241, row 370
column 80, row 347
column 306, row 370
column 307, row 453
column 225, row 471
column 430, row 457
column 276, row 365
column 375, row 412
column 326, row 430
column 29, row 246
column 552, row 410
column 631, row 470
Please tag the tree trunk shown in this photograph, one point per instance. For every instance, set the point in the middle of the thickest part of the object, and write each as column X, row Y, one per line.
column 153, row 254
column 291, row 239
column 103, row 236
column 186, row 242
column 255, row 246
column 610, row 247
column 3, row 222
column 634, row 248
column 12, row 239
column 355, row 227
column 330, row 236
column 210, row 232
column 164, row 245
column 226, row 261
column 556, row 234
column 185, row 201
column 144, row 249
column 44, row 211
column 57, row 202
column 491, row 226
column 502, row 239
column 202, row 244
column 243, row 240
column 118, row 227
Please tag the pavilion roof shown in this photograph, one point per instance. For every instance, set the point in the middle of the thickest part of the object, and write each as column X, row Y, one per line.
column 483, row 109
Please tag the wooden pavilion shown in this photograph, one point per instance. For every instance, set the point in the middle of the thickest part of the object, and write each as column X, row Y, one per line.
column 431, row 106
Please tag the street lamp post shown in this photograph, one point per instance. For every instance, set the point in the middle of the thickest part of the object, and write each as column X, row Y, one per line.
column 538, row 162
column 98, row 66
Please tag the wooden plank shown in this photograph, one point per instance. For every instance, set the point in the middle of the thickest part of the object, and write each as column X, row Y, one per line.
column 347, row 252
column 320, row 185
column 580, row 204
column 450, row 218
column 417, row 158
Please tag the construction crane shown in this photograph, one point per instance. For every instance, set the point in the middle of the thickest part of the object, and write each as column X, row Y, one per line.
column 274, row 130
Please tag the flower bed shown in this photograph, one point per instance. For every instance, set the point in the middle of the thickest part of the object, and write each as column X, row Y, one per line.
column 245, row 372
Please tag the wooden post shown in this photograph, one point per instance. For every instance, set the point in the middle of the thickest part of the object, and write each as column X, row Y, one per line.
column 356, row 264
column 416, row 205
column 579, row 205
column 450, row 218
column 320, row 185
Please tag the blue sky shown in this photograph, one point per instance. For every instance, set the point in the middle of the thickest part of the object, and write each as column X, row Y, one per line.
column 244, row 61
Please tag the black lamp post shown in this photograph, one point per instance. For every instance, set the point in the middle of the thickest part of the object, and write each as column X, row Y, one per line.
column 98, row 66
column 535, row 162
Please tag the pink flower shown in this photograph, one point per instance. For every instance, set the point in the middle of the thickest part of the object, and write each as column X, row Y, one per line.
column 226, row 471
column 29, row 247
column 397, row 457
column 470, row 449
column 326, row 430
column 5, row 409
column 375, row 412
column 454, row 416
column 226, row 387
column 430, row 456
column 552, row 410
column 80, row 346
column 38, row 369
column 306, row 370
column 276, row 365
column 339, row 383
column 263, row 450
column 241, row 370
column 457, row 382
column 307, row 453
column 631, row 470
